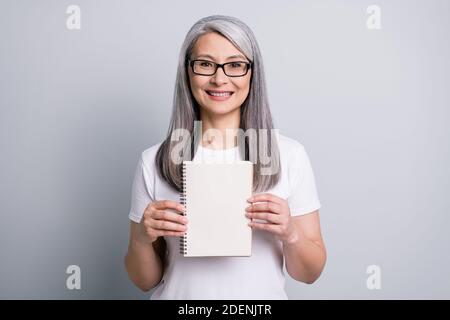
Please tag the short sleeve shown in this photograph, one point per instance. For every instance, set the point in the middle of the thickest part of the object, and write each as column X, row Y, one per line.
column 141, row 192
column 303, row 197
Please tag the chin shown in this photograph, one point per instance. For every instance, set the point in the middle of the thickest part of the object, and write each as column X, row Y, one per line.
column 218, row 109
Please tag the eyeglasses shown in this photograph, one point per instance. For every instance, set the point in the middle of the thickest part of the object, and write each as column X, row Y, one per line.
column 209, row 68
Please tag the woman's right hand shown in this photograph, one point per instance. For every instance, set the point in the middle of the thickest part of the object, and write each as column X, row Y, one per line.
column 161, row 219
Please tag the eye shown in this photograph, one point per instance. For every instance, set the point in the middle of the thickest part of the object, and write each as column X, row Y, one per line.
column 206, row 64
column 236, row 64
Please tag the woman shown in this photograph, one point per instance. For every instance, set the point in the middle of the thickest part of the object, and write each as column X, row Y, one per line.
column 220, row 82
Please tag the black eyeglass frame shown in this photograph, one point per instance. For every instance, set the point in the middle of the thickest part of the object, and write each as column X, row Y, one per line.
column 220, row 65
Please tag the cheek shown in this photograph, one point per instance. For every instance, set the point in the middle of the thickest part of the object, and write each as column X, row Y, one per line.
column 193, row 83
column 196, row 84
column 244, row 88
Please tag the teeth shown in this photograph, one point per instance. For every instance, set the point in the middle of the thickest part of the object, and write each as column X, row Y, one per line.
column 222, row 94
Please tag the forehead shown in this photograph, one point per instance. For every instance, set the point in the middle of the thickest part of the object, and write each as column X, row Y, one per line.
column 215, row 45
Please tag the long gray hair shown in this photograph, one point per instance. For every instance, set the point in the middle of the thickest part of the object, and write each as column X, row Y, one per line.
column 254, row 112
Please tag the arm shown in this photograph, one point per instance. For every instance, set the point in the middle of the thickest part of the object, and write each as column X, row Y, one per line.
column 304, row 251
column 145, row 258
column 144, row 261
column 303, row 247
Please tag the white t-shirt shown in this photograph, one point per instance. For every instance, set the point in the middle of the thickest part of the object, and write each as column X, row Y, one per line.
column 259, row 276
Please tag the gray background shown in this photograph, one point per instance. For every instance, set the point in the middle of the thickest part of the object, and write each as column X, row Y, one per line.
column 370, row 106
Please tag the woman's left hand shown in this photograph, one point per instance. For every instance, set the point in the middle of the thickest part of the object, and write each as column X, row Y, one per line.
column 275, row 211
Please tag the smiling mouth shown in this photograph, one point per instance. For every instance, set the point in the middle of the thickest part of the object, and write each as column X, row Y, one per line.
column 215, row 93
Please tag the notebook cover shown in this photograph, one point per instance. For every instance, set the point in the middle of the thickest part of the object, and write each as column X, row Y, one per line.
column 215, row 196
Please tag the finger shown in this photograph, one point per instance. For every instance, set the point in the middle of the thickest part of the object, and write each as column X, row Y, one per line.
column 169, row 216
column 265, row 197
column 264, row 207
column 273, row 228
column 269, row 217
column 161, row 233
column 168, row 204
column 173, row 233
column 167, row 225
column 156, row 227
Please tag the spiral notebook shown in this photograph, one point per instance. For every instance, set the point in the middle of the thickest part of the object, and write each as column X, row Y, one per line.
column 215, row 197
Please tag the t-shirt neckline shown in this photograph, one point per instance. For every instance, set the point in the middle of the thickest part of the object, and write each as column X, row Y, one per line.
column 211, row 150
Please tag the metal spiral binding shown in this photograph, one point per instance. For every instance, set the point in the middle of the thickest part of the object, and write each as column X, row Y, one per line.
column 183, row 239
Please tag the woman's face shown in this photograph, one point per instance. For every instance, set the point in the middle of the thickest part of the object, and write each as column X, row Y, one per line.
column 216, row 48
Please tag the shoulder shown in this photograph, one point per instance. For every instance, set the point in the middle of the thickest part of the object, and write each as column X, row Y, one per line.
column 148, row 155
column 294, row 156
column 289, row 147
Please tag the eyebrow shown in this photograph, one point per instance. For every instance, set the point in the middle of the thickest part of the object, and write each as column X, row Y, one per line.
column 230, row 57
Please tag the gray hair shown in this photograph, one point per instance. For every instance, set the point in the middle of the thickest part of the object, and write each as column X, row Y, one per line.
column 255, row 112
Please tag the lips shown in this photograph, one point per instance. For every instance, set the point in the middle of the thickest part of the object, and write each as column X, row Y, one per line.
column 219, row 93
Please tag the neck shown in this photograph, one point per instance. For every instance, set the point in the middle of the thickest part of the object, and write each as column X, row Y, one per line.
column 219, row 131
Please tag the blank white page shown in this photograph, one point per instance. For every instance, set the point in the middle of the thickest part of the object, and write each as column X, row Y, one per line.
column 216, row 198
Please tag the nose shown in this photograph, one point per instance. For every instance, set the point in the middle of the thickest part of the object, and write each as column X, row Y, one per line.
column 219, row 77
